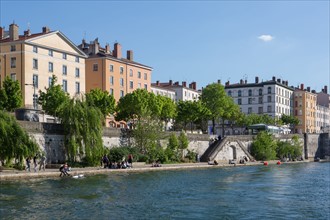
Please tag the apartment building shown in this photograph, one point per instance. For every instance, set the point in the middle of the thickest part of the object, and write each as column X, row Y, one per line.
column 163, row 91
column 305, row 106
column 182, row 92
column 110, row 71
column 32, row 59
column 323, row 111
column 273, row 97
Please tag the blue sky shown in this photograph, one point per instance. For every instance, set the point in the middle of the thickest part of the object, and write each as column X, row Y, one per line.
column 200, row 41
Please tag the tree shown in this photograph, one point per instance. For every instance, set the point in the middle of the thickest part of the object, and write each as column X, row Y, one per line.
column 172, row 148
column 258, row 119
column 264, row 147
column 102, row 100
column 215, row 99
column 53, row 98
column 14, row 141
column 289, row 120
column 83, row 131
column 183, row 143
column 10, row 95
column 168, row 110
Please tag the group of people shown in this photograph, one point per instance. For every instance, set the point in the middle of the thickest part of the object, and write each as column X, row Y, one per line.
column 123, row 164
column 36, row 160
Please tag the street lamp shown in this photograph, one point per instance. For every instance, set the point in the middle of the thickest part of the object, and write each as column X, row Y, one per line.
column 35, row 106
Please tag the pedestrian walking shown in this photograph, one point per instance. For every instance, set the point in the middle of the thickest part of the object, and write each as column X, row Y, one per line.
column 28, row 161
column 35, row 162
column 42, row 162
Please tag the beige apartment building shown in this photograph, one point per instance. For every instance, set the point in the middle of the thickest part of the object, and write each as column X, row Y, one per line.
column 110, row 71
column 305, row 103
column 32, row 59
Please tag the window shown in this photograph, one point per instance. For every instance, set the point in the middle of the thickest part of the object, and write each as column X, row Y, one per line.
column 50, row 53
column 239, row 93
column 111, row 80
column 77, row 59
column 13, row 62
column 269, row 90
column 65, row 85
column 139, row 85
column 260, row 91
column 229, row 93
column 35, row 49
column 121, row 93
column 145, row 76
column 269, row 108
column 250, row 110
column 77, row 72
column 121, row 82
column 64, row 56
column 146, row 86
column 111, row 91
column 269, row 98
column 50, row 81
column 260, row 100
column 260, row 110
column 13, row 76
column 64, row 70
column 131, row 84
column 77, row 87
column 139, row 74
column 111, row 68
column 13, row 48
column 250, row 100
column 95, row 67
column 250, row 92
column 239, row 101
column 35, row 64
column 35, row 80
column 50, row 67
column 121, row 70
column 130, row 72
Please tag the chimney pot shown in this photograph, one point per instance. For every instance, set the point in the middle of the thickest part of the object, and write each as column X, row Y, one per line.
column 219, row 81
column 183, row 83
column 308, row 89
column 257, row 79
column 27, row 33
column 2, row 32
column 45, row 30
column 117, row 50
column 302, row 86
column 326, row 89
column 130, row 55
column 170, row 82
column 107, row 48
column 274, row 78
column 157, row 82
column 13, row 32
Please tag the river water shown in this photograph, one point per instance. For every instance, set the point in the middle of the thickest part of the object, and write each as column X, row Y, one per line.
column 288, row 191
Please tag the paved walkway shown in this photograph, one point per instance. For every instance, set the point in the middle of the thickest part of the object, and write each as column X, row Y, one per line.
column 11, row 174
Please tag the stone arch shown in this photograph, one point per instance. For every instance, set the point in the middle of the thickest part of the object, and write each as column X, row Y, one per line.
column 233, row 152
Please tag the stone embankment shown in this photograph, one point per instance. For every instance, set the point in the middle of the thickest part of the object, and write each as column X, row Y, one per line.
column 10, row 174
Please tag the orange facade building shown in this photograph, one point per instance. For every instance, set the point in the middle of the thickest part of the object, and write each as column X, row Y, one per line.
column 110, row 71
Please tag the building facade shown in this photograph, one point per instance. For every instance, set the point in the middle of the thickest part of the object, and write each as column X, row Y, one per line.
column 273, row 97
column 110, row 71
column 163, row 91
column 33, row 59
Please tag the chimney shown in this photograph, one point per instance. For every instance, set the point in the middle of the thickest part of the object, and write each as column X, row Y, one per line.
column 170, row 82
column 313, row 91
column 27, row 33
column 176, row 83
column 130, row 55
column 190, row 85
column 45, row 30
column 274, row 78
column 157, row 82
column 117, row 50
column 326, row 89
column 184, row 84
column 241, row 82
column 94, row 47
column 2, row 32
column 227, row 83
column 308, row 89
column 279, row 80
column 257, row 79
column 219, row 81
column 302, row 86
column 194, row 85
column 107, row 48
column 13, row 32
column 287, row 83
column 245, row 81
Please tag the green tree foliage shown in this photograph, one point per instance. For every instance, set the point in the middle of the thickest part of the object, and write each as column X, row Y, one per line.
column 292, row 149
column 10, row 95
column 83, row 130
column 258, row 119
column 183, row 143
column 216, row 100
column 102, row 100
column 168, row 109
column 171, row 150
column 14, row 141
column 53, row 98
column 264, row 147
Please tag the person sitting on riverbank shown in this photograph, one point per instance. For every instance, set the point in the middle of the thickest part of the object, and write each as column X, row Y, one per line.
column 156, row 164
column 64, row 170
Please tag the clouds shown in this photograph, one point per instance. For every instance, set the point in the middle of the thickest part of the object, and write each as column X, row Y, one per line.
column 266, row 37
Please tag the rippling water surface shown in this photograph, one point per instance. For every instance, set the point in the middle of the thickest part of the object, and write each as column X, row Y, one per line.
column 293, row 191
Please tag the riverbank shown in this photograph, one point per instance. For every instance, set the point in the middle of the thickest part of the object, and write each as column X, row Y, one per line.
column 11, row 174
